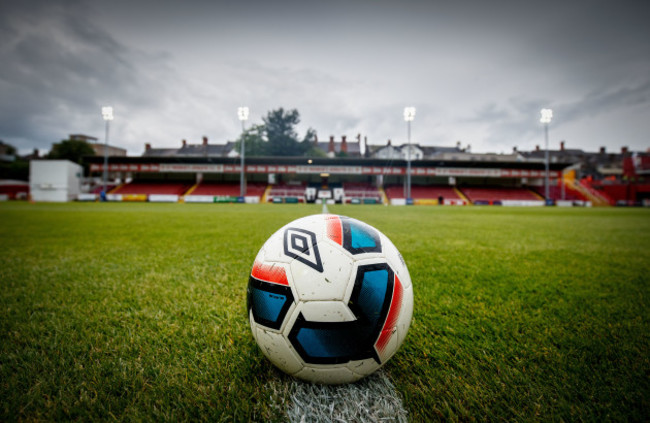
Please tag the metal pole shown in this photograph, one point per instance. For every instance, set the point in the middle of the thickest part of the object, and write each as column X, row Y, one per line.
column 546, row 164
column 105, row 174
column 242, row 184
column 408, row 161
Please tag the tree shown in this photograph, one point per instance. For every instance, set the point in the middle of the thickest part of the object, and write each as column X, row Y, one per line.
column 255, row 144
column 307, row 145
column 277, row 136
column 73, row 150
column 7, row 149
column 281, row 135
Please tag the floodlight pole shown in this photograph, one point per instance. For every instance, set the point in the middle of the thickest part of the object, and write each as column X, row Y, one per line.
column 242, row 113
column 107, row 115
column 546, row 163
column 408, row 160
column 547, row 115
column 409, row 115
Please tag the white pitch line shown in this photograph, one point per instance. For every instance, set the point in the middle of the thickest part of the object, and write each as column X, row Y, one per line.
column 372, row 399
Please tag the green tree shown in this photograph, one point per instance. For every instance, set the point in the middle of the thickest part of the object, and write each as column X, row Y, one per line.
column 282, row 136
column 18, row 169
column 73, row 150
column 307, row 145
column 255, row 143
column 7, row 148
column 277, row 136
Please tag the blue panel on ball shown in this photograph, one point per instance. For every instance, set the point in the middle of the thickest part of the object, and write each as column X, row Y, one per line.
column 325, row 343
column 340, row 342
column 269, row 302
column 267, row 305
column 373, row 293
column 361, row 237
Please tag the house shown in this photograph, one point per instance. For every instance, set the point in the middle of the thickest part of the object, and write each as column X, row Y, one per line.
column 204, row 149
column 333, row 148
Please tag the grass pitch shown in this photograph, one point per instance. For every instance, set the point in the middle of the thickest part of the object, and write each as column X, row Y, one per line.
column 137, row 312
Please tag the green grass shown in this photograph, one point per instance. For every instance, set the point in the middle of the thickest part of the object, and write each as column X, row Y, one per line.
column 137, row 312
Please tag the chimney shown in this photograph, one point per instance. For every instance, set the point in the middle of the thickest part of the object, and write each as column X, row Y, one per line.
column 388, row 143
column 36, row 153
column 330, row 148
column 561, row 145
column 365, row 147
column 344, row 145
column 624, row 150
column 205, row 140
column 514, row 149
column 147, row 147
column 602, row 150
column 184, row 143
column 537, row 147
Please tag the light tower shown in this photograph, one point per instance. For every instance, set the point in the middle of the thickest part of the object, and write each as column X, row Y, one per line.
column 242, row 114
column 547, row 115
column 107, row 114
column 409, row 115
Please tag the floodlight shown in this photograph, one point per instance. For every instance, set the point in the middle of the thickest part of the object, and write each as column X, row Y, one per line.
column 107, row 113
column 547, row 115
column 242, row 113
column 409, row 113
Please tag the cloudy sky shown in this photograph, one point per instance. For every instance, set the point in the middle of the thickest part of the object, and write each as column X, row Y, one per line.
column 478, row 72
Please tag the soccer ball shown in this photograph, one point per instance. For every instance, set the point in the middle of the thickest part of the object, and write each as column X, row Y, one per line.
column 329, row 299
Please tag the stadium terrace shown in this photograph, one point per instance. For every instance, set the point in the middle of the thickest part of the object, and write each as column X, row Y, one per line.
column 358, row 173
column 301, row 179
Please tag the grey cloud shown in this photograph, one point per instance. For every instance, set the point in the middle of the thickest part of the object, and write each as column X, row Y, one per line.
column 59, row 68
column 598, row 102
column 476, row 71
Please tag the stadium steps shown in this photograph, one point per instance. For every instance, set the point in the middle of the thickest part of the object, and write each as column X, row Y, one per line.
column 266, row 194
column 593, row 196
column 181, row 198
column 384, row 197
column 115, row 188
column 538, row 195
column 461, row 195
column 191, row 190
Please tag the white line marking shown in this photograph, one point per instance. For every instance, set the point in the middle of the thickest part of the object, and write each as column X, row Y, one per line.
column 372, row 399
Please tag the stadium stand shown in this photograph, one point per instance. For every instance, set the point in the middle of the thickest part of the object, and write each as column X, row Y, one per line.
column 555, row 193
column 427, row 194
column 216, row 188
column 620, row 193
column 224, row 192
column 149, row 188
column 98, row 189
column 362, row 192
column 255, row 189
column 294, row 192
column 13, row 189
column 493, row 195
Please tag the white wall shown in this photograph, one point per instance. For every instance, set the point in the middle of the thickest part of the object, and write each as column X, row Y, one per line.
column 54, row 180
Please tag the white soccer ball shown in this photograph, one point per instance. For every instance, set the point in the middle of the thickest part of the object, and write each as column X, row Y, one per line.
column 329, row 299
